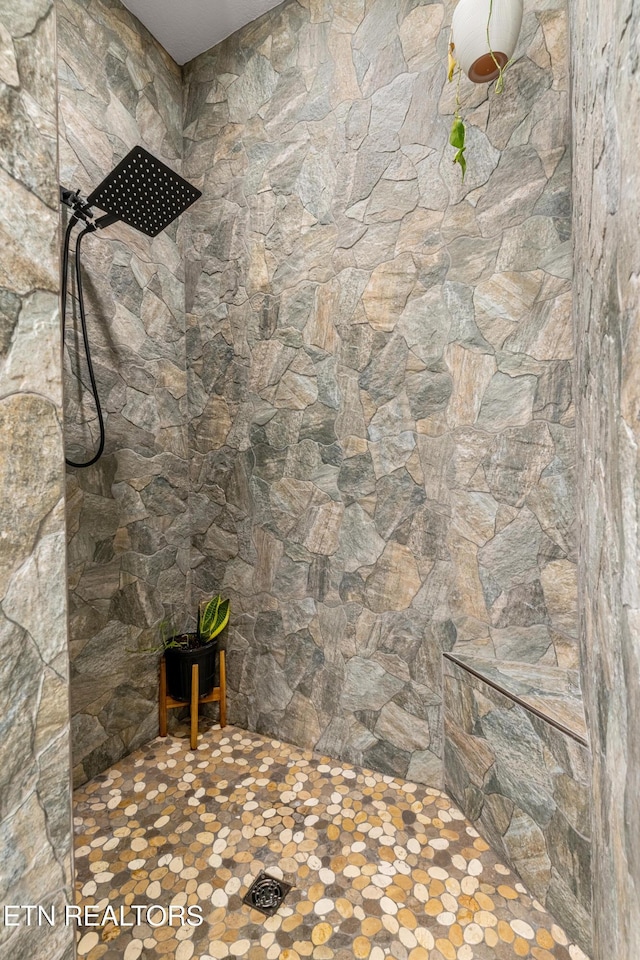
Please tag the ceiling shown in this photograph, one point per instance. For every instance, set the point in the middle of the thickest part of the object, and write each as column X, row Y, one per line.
column 186, row 28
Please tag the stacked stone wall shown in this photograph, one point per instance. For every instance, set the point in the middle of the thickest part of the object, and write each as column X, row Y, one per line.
column 379, row 355
column 35, row 796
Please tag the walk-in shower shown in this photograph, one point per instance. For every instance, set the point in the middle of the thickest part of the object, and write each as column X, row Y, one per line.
column 141, row 191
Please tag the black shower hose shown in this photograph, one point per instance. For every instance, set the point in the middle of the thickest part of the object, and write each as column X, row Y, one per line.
column 83, row 323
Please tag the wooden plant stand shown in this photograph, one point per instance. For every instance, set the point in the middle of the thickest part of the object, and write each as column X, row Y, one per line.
column 217, row 695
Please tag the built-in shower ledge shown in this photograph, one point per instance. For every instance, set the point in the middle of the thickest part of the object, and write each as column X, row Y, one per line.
column 551, row 693
column 517, row 763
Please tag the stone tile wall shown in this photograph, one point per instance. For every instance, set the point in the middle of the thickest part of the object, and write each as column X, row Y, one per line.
column 526, row 787
column 127, row 516
column 606, row 132
column 35, row 802
column 551, row 692
column 379, row 356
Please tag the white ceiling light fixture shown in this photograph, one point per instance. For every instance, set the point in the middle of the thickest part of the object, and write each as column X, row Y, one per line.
column 186, row 28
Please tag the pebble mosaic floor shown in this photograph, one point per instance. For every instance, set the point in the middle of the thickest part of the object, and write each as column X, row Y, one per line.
column 380, row 868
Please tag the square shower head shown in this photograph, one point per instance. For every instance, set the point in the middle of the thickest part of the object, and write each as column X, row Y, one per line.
column 144, row 192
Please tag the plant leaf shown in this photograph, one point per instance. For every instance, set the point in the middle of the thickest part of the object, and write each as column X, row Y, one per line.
column 460, row 158
column 207, row 615
column 451, row 67
column 457, row 135
column 222, row 618
column 214, row 616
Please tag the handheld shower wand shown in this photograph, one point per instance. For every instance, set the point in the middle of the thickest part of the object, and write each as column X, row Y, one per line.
column 143, row 192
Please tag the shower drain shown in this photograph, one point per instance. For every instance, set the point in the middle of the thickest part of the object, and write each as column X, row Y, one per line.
column 266, row 894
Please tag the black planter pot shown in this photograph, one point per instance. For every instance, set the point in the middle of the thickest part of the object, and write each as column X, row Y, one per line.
column 179, row 663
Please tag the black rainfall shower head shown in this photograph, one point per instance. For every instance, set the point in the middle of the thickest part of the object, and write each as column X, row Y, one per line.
column 144, row 192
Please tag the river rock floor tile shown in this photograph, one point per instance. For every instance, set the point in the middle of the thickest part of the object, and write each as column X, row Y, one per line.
column 380, row 868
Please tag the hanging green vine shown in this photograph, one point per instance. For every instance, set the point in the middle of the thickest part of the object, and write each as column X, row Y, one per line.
column 457, row 136
column 458, row 133
column 500, row 68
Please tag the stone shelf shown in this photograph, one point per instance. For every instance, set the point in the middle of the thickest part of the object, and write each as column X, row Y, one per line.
column 552, row 693
column 517, row 763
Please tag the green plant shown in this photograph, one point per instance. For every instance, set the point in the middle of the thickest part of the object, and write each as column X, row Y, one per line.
column 501, row 69
column 457, row 136
column 213, row 616
column 168, row 640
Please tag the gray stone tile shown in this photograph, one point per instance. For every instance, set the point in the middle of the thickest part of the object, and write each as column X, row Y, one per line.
column 511, row 772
